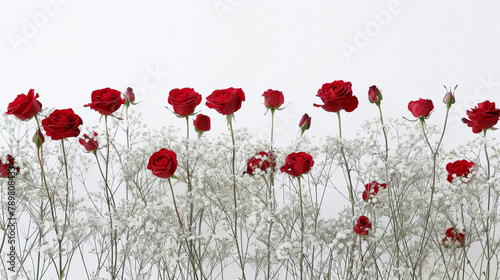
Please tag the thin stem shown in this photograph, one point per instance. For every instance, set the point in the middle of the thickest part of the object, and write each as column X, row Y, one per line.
column 301, row 230
column 272, row 127
column 175, row 204
column 383, row 130
column 487, row 230
column 242, row 265
column 351, row 192
column 348, row 170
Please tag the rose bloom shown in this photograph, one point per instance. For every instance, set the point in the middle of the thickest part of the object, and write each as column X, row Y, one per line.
column 5, row 165
column 24, row 107
column 89, row 142
column 421, row 108
column 452, row 236
column 163, row 163
column 184, row 101
column 374, row 94
column 273, row 99
column 201, row 123
column 483, row 116
column 261, row 161
column 372, row 189
column 226, row 101
column 106, row 101
column 459, row 168
column 362, row 226
column 62, row 124
column 337, row 96
column 297, row 164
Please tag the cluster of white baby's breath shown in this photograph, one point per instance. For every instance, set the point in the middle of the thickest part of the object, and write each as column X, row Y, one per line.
column 265, row 230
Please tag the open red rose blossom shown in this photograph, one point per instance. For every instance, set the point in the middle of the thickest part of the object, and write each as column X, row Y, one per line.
column 483, row 116
column 106, row 101
column 337, row 96
column 24, row 107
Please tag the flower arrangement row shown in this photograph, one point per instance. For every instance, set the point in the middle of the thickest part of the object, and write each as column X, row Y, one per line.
column 212, row 206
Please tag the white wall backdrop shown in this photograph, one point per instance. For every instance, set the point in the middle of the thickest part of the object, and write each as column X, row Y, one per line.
column 65, row 49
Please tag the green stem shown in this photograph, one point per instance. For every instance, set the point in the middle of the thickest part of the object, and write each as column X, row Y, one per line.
column 301, row 267
column 488, row 255
column 175, row 204
column 383, row 130
column 348, row 170
column 242, row 265
column 351, row 193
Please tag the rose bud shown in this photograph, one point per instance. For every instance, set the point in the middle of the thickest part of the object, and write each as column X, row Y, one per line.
column 305, row 123
column 374, row 95
column 273, row 99
column 38, row 138
column 421, row 108
column 129, row 97
column 201, row 124
column 449, row 97
column 89, row 142
column 24, row 107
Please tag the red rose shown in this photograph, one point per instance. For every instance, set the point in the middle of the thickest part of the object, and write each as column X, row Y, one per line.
column 362, row 226
column 453, row 236
column 226, row 101
column 372, row 189
column 273, row 99
column 482, row 117
column 201, row 123
column 89, row 142
column 261, row 161
column 163, row 163
column 130, row 94
column 297, row 164
column 337, row 96
column 62, row 124
column 5, row 166
column 374, row 95
column 459, row 168
column 24, row 107
column 421, row 108
column 106, row 101
column 38, row 138
column 449, row 98
column 305, row 123
column 184, row 101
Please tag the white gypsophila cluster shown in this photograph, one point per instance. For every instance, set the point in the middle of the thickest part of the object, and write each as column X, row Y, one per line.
column 124, row 221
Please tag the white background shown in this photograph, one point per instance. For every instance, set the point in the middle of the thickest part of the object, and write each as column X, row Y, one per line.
column 410, row 49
